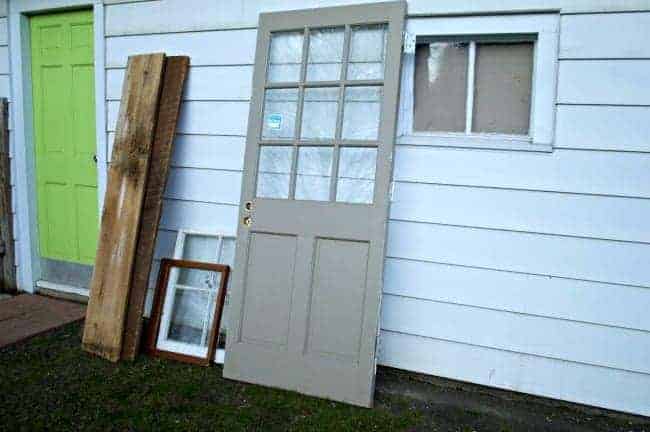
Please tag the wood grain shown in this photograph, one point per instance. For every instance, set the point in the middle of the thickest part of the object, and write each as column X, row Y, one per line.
column 7, row 253
column 127, row 175
column 161, row 152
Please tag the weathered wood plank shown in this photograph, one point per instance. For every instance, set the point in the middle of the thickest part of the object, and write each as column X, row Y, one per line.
column 7, row 254
column 161, row 152
column 127, row 175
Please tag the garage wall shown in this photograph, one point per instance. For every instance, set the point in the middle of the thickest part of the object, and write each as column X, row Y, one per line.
column 530, row 271
column 519, row 270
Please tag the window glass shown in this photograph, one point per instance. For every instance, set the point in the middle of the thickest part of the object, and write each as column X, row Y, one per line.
column 227, row 251
column 285, row 57
column 280, row 107
column 189, row 317
column 274, row 171
column 361, row 111
column 500, row 92
column 198, row 247
column 502, row 88
column 319, row 113
column 367, row 52
column 356, row 176
column 440, row 87
column 313, row 173
column 325, row 54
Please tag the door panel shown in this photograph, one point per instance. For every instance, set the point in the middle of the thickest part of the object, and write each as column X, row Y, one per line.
column 64, row 134
column 338, row 291
column 307, row 283
column 268, row 289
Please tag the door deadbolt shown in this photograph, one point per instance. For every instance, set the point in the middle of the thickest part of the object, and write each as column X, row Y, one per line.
column 248, row 206
column 248, row 221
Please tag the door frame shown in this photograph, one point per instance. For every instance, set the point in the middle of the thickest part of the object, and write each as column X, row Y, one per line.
column 26, row 220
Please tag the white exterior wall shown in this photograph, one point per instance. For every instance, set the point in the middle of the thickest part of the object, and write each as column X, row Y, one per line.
column 519, row 270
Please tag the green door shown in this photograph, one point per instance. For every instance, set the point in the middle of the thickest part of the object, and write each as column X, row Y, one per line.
column 64, row 133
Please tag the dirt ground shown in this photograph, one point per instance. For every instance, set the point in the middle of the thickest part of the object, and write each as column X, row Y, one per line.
column 49, row 383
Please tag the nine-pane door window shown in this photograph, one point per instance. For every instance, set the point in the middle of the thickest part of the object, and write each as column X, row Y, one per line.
column 321, row 114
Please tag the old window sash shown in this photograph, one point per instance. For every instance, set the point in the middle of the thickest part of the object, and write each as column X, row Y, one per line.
column 218, row 257
column 543, row 29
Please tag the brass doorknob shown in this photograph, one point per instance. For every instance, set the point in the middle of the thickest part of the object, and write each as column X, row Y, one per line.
column 248, row 221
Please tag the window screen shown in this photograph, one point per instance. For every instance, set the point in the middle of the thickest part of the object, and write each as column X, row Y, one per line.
column 440, row 86
column 473, row 87
column 502, row 88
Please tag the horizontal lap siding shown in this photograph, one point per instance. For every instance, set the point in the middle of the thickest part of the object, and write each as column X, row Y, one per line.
column 593, row 385
column 586, row 172
column 617, row 36
column 589, row 127
column 571, row 257
column 570, row 214
column 163, row 16
column 531, row 271
column 209, row 48
column 605, row 82
column 516, row 332
column 525, row 271
column 203, row 83
column 201, row 117
column 609, row 66
column 533, row 294
column 205, row 151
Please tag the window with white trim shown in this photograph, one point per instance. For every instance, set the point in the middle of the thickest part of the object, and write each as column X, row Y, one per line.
column 484, row 82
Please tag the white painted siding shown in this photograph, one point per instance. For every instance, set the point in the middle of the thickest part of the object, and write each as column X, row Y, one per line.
column 528, row 271
column 519, row 270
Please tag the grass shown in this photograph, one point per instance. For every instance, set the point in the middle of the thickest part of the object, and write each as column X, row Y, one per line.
column 49, row 383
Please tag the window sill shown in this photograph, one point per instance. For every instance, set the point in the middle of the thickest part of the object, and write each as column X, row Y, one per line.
column 474, row 142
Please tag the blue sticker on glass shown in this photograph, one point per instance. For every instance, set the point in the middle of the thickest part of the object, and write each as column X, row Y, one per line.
column 274, row 121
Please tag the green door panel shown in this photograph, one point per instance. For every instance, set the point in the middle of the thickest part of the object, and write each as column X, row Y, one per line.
column 63, row 86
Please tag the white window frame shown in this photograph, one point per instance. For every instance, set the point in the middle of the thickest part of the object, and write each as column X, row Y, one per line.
column 545, row 30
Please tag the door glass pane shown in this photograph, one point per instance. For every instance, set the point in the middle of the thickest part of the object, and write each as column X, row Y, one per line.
column 319, row 113
column 361, row 111
column 285, row 57
column 313, row 173
column 367, row 52
column 325, row 53
column 190, row 318
column 356, row 177
column 502, row 92
column 197, row 247
column 274, row 171
column 440, row 86
column 280, row 107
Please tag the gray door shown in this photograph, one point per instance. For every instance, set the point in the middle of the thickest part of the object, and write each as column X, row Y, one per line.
column 306, row 289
